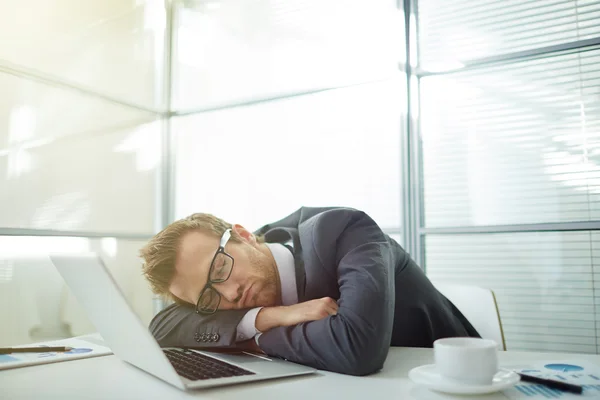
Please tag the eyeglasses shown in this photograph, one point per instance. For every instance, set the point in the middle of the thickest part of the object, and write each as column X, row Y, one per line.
column 220, row 270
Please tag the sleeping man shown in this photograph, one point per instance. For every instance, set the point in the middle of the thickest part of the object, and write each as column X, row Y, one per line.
column 324, row 287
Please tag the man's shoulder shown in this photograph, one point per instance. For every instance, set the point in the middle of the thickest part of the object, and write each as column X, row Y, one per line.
column 338, row 212
column 308, row 217
column 334, row 232
column 341, row 214
column 333, row 221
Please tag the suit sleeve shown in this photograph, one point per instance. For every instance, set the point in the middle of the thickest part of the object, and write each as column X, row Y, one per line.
column 180, row 326
column 355, row 341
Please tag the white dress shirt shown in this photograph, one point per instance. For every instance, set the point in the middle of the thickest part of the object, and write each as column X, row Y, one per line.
column 284, row 260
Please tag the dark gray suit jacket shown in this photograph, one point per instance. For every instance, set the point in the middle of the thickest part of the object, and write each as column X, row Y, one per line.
column 384, row 298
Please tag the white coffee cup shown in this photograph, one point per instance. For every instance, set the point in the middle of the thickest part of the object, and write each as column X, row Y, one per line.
column 466, row 360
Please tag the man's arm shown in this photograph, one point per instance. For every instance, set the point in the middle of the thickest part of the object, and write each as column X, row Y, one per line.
column 180, row 326
column 356, row 340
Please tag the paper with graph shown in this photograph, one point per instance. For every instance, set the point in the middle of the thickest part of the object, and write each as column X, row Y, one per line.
column 581, row 373
column 83, row 347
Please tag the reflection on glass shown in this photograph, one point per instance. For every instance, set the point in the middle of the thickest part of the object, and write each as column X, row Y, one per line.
column 21, row 127
column 66, row 211
column 67, row 160
column 33, row 114
column 19, row 162
column 84, row 181
column 145, row 144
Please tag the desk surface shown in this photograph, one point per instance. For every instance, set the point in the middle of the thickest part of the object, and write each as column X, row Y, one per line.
column 109, row 378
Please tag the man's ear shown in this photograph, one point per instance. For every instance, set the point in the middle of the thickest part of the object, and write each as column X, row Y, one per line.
column 244, row 234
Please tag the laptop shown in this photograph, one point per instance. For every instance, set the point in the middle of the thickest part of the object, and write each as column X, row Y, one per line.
column 131, row 341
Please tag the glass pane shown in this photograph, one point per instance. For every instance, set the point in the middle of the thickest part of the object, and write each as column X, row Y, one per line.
column 33, row 114
column 544, row 283
column 37, row 304
column 513, row 144
column 238, row 50
column 256, row 164
column 114, row 47
column 451, row 31
column 71, row 162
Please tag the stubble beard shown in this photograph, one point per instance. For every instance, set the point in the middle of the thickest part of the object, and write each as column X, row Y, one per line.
column 269, row 294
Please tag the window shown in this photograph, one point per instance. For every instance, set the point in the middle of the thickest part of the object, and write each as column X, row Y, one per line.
column 546, row 284
column 227, row 52
column 452, row 32
column 513, row 144
column 509, row 128
column 256, row 164
column 114, row 48
column 68, row 160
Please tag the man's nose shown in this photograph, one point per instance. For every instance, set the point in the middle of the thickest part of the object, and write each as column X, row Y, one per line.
column 229, row 290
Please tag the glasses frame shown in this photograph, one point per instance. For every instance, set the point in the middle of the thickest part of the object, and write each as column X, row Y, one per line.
column 209, row 282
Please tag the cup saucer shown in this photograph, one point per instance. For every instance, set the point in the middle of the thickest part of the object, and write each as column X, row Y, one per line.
column 428, row 376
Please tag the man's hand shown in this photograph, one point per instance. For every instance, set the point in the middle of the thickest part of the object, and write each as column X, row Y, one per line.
column 312, row 310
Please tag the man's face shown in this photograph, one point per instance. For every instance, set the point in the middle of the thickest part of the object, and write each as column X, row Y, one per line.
column 254, row 280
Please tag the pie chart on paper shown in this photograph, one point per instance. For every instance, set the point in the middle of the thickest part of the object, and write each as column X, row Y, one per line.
column 564, row 367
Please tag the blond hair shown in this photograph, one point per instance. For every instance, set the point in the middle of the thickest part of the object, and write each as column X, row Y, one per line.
column 160, row 253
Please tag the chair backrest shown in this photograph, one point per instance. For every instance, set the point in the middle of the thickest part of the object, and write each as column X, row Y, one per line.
column 479, row 306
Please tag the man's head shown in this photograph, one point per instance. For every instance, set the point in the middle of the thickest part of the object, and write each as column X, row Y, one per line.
column 177, row 263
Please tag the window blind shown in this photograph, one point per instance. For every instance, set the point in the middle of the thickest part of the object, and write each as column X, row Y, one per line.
column 546, row 284
column 455, row 30
column 513, row 144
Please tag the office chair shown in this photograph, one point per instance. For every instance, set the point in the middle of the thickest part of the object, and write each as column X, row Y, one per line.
column 479, row 306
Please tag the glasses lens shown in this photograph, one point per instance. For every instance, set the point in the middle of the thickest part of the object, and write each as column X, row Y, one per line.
column 221, row 268
column 209, row 302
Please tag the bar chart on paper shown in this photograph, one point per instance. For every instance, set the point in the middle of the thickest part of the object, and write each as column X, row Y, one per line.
column 580, row 373
column 540, row 391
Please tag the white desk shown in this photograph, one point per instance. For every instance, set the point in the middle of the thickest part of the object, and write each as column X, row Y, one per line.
column 109, row 378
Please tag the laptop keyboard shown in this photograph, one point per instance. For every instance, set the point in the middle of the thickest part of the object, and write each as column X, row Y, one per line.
column 195, row 366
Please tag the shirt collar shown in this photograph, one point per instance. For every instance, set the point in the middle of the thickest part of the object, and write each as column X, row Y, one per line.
column 287, row 273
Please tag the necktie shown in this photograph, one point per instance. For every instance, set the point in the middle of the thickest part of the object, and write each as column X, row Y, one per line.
column 290, row 248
